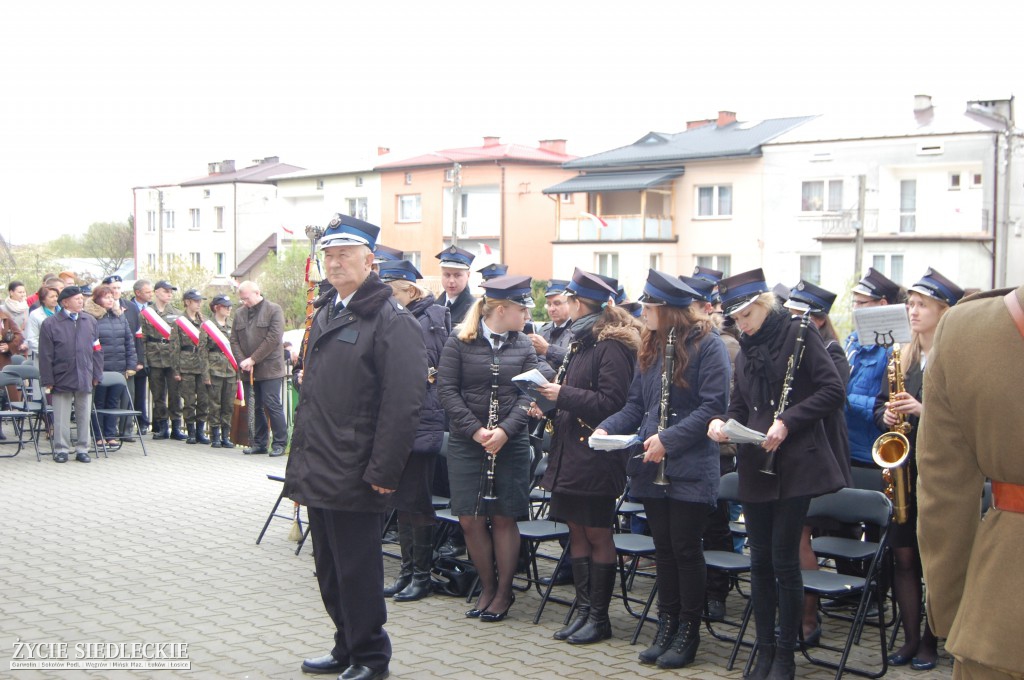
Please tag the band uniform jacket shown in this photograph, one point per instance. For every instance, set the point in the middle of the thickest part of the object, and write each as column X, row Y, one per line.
column 187, row 358
column 217, row 364
column 595, row 386
column 692, row 460
column 69, row 358
column 258, row 332
column 972, row 429
column 158, row 350
column 461, row 305
column 362, row 387
column 804, row 463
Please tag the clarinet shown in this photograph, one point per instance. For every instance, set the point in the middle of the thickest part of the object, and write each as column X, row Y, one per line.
column 546, row 424
column 787, row 383
column 492, row 422
column 661, row 479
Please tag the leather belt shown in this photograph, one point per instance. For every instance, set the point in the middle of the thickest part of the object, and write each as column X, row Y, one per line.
column 1008, row 497
column 160, row 340
column 189, row 348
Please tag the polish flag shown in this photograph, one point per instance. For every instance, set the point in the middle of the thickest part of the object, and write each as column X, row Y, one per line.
column 591, row 216
column 287, row 230
column 96, row 346
column 487, row 249
column 157, row 322
column 188, row 328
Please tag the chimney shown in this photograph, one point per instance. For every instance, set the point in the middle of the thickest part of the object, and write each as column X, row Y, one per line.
column 270, row 159
column 726, row 117
column 492, row 141
column 694, row 124
column 383, row 150
column 221, row 168
column 924, row 112
column 553, row 145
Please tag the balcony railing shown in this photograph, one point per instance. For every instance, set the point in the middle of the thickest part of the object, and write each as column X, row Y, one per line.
column 890, row 222
column 620, row 228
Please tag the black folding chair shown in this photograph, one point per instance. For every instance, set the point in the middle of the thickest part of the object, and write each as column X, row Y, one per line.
column 291, row 516
column 15, row 417
column 129, row 415
column 32, row 403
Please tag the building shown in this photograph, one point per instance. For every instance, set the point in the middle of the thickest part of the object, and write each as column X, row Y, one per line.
column 215, row 221
column 669, row 201
column 487, row 198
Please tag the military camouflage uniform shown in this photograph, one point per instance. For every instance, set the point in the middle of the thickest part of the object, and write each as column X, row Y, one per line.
column 222, row 377
column 162, row 385
column 190, row 365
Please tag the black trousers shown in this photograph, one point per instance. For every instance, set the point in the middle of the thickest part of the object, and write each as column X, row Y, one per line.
column 677, row 528
column 268, row 396
column 349, row 568
column 137, row 384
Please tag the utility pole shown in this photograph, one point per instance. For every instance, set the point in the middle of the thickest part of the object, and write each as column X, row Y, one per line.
column 160, row 229
column 456, row 200
column 858, row 236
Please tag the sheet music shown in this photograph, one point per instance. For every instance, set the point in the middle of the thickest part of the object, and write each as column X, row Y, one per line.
column 882, row 325
column 741, row 434
column 528, row 383
column 612, row 442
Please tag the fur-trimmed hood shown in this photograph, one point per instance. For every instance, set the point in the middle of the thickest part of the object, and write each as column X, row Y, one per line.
column 98, row 312
column 628, row 335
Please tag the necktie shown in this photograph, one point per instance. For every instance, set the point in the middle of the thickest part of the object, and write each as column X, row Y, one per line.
column 448, row 304
column 337, row 309
column 497, row 340
column 74, row 316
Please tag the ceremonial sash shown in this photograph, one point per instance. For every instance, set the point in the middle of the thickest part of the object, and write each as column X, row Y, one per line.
column 157, row 322
column 224, row 344
column 96, row 346
column 188, row 328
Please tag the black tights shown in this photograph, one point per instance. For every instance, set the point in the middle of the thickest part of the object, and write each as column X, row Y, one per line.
column 495, row 554
column 906, row 587
column 677, row 528
column 593, row 542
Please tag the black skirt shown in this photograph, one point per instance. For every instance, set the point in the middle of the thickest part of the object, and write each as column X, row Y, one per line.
column 588, row 511
column 467, row 466
column 414, row 489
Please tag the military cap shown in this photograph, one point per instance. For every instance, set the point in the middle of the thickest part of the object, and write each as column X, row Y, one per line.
column 68, row 291
column 807, row 297
column 399, row 270
column 345, row 230
column 112, row 278
column 589, row 286
column 192, row 294
column 492, row 270
column 220, row 301
column 555, row 287
column 739, row 291
column 515, row 289
column 708, row 274
column 664, row 289
column 876, row 286
column 454, row 257
column 704, row 288
column 382, row 253
column 938, row 287
column 164, row 285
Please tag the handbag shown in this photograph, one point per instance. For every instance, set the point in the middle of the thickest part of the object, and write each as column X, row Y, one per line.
column 453, row 577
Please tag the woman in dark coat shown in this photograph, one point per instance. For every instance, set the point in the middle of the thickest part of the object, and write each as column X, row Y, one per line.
column 413, row 499
column 698, row 388
column 927, row 301
column 118, row 343
column 596, row 372
column 487, row 417
column 775, row 505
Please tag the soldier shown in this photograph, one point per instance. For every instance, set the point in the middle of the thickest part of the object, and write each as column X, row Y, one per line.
column 455, row 264
column 220, row 377
column 162, row 385
column 189, row 371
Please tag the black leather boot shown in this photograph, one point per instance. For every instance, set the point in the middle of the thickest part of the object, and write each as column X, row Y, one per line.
column 762, row 663
column 201, row 437
column 683, row 649
column 160, row 430
column 422, row 560
column 405, row 572
column 597, row 627
column 176, row 432
column 581, row 579
column 668, row 624
column 783, row 665
column 215, row 436
column 191, row 427
column 226, row 443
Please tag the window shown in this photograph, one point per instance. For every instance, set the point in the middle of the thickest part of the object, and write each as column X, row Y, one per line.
column 655, row 261
column 219, row 259
column 218, row 217
column 908, row 205
column 565, row 198
column 151, row 220
column 954, row 181
column 810, row 268
column 722, row 263
column 206, row 193
column 168, row 219
column 890, row 265
column 813, row 196
column 608, row 264
column 151, row 261
column 413, row 257
column 194, row 259
column 359, row 181
column 357, row 208
column 409, row 208
column 319, row 185
column 975, row 180
column 193, row 215
column 714, row 201
column 408, row 178
column 449, row 174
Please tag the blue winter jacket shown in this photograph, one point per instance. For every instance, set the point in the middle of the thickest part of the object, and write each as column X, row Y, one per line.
column 867, row 374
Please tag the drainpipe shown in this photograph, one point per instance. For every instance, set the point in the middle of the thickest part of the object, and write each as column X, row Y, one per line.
column 501, row 224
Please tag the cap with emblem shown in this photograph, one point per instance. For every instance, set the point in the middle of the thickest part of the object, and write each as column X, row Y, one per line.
column 708, row 274
column 399, row 270
column 664, row 289
column 220, row 301
column 345, row 230
column 192, row 294
column 875, row 285
column 517, row 289
column 739, row 291
column 454, row 257
column 590, row 286
column 492, row 270
column 68, row 291
column 704, row 288
column 938, row 287
column 555, row 287
column 163, row 285
column 112, row 278
column 807, row 297
column 382, row 253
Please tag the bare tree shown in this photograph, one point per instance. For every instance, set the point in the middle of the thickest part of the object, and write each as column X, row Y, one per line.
column 110, row 244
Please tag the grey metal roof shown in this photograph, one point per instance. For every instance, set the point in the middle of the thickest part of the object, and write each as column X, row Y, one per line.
column 703, row 143
column 614, row 181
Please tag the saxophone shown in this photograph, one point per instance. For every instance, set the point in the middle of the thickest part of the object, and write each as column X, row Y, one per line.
column 890, row 451
column 668, row 367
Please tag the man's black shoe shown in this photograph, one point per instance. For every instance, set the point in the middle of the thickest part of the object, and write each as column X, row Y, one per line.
column 323, row 665
column 83, row 458
column 254, row 450
column 276, row 450
column 363, row 673
column 60, row 457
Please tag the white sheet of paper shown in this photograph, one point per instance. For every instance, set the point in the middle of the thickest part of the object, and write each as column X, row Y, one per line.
column 612, row 442
column 882, row 325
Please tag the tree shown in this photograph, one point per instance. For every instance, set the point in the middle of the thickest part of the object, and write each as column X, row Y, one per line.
column 282, row 280
column 183, row 275
column 110, row 244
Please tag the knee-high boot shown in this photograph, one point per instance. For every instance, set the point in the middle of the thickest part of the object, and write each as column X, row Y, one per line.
column 422, row 560
column 201, row 437
column 597, row 627
column 215, row 436
column 405, row 572
column 581, row 579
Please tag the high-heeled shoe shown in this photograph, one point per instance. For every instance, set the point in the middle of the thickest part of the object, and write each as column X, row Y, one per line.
column 493, row 617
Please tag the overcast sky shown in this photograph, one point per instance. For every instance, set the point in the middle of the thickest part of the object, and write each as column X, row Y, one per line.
column 96, row 98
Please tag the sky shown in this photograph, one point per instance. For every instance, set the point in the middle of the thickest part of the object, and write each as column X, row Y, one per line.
column 97, row 98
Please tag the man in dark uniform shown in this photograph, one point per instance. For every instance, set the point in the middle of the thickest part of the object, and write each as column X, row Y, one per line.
column 362, row 388
column 455, row 264
column 552, row 342
column 162, row 385
column 143, row 295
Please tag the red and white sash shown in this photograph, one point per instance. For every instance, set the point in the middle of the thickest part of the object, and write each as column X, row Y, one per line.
column 157, row 322
column 188, row 328
column 224, row 344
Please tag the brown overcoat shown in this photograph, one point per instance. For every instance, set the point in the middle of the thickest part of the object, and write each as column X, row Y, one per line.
column 972, row 428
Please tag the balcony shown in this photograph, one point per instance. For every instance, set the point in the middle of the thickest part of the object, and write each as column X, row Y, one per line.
column 889, row 222
column 620, row 228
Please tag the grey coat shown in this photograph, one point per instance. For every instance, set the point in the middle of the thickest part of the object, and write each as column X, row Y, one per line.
column 258, row 332
column 70, row 359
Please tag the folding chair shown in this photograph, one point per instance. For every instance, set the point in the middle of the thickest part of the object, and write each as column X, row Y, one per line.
column 17, row 359
column 31, row 403
column 734, row 565
column 113, row 379
column 274, row 513
column 15, row 417
column 533, row 533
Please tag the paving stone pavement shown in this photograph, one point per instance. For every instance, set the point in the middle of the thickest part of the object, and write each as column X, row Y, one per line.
column 162, row 549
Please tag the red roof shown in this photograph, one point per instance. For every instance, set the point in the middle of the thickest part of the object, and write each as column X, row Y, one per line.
column 254, row 174
column 482, row 154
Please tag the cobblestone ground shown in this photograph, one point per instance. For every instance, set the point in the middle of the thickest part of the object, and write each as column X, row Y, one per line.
column 162, row 549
